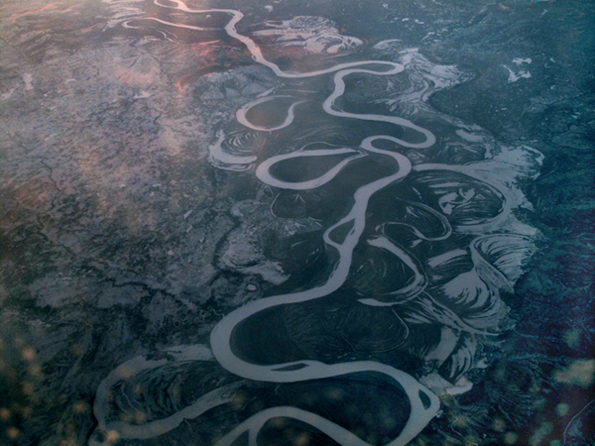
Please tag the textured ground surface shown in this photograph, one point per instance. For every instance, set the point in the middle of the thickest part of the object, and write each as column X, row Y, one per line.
column 119, row 237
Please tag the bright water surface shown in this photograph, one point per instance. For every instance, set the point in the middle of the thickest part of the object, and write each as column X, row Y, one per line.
column 297, row 223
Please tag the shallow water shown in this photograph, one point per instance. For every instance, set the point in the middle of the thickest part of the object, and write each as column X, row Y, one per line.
column 271, row 224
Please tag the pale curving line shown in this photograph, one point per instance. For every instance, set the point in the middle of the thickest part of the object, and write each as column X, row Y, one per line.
column 406, row 293
column 234, row 162
column 221, row 335
column 127, row 25
column 423, row 409
column 443, row 220
column 101, row 407
column 341, row 71
column 488, row 271
column 242, row 111
column 420, row 415
column 496, row 222
column 329, row 107
column 580, row 412
column 256, row 52
column 164, row 22
column 264, row 175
